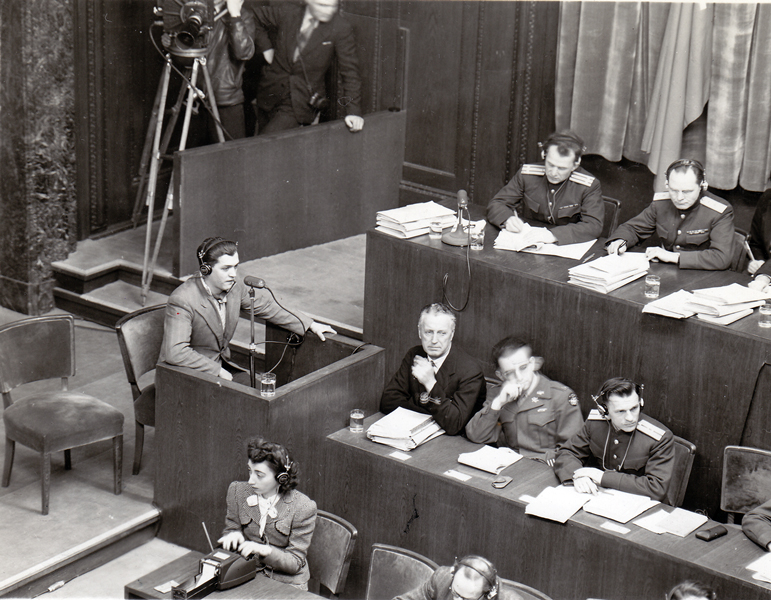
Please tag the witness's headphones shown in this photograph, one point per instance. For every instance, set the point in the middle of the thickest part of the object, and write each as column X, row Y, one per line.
column 203, row 250
column 619, row 386
column 565, row 139
column 695, row 165
column 283, row 477
column 482, row 566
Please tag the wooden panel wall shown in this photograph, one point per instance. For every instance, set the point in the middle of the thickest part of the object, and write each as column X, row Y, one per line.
column 479, row 83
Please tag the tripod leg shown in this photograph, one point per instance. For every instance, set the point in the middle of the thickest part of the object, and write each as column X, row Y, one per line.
column 143, row 163
column 154, row 166
column 212, row 100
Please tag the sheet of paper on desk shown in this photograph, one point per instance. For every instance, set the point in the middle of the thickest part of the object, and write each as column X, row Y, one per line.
column 674, row 306
column 679, row 522
column 557, row 503
column 492, row 460
column 518, row 242
column 726, row 319
column 762, row 567
column 618, row 506
column 730, row 294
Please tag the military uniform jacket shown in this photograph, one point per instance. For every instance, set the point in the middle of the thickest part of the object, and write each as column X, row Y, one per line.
column 573, row 209
column 702, row 234
column 534, row 424
column 640, row 462
column 760, row 233
column 756, row 524
column 460, row 389
column 289, row 533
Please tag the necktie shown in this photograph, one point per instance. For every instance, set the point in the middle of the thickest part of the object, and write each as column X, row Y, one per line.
column 433, row 365
column 304, row 36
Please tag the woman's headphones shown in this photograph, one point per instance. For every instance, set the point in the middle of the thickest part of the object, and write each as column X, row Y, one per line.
column 698, row 168
column 619, row 386
column 283, row 477
column 482, row 566
column 207, row 245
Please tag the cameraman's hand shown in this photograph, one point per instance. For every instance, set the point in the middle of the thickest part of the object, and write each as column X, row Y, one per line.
column 268, row 54
column 354, row 123
column 234, row 7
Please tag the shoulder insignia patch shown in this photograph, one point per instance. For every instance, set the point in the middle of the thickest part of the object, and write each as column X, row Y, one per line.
column 533, row 170
column 582, row 178
column 713, row 204
column 661, row 196
column 594, row 415
column 573, row 400
column 650, row 430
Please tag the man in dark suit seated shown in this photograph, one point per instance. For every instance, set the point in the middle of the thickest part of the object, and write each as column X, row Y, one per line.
column 307, row 38
column 202, row 313
column 437, row 377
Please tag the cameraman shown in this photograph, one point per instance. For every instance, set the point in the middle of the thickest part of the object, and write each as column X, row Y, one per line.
column 308, row 37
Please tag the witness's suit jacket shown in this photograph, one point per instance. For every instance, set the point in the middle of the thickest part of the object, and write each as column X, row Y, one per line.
column 193, row 335
column 285, row 76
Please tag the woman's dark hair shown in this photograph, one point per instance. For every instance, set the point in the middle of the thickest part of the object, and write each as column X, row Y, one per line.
column 284, row 468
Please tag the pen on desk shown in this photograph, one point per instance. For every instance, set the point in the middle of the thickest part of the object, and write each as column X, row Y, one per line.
column 588, row 258
column 749, row 250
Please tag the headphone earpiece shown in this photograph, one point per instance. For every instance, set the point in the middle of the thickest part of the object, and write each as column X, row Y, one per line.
column 486, row 569
column 205, row 269
column 283, row 478
column 704, row 185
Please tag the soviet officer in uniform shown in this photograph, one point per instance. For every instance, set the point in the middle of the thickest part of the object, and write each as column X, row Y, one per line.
column 559, row 193
column 618, row 449
column 528, row 411
column 696, row 228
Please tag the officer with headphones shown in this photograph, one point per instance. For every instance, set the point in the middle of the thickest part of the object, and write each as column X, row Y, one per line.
column 695, row 227
column 617, row 448
column 470, row 578
column 202, row 313
column 557, row 192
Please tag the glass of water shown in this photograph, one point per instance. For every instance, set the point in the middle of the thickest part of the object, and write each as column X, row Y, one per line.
column 652, row 286
column 435, row 230
column 765, row 315
column 477, row 239
column 268, row 385
column 357, row 420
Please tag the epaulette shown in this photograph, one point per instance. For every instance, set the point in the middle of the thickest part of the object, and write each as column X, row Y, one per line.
column 650, row 430
column 534, row 170
column 713, row 204
column 582, row 178
column 661, row 196
column 594, row 415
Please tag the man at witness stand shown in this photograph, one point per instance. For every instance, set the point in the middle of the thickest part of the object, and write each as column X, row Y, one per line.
column 557, row 192
column 437, row 377
column 527, row 411
column 307, row 37
column 618, row 449
column 202, row 313
column 696, row 228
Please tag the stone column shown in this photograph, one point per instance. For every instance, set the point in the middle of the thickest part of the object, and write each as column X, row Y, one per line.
column 37, row 152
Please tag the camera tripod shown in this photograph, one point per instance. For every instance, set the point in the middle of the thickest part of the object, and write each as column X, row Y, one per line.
column 156, row 144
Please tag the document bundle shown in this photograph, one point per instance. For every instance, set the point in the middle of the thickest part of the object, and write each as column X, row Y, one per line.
column 404, row 429
column 414, row 219
column 610, row 272
column 492, row 460
column 721, row 305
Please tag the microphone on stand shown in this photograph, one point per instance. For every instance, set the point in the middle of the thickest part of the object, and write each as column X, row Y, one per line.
column 460, row 235
column 254, row 282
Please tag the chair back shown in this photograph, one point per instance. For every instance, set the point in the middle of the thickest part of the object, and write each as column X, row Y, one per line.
column 746, row 479
column 35, row 349
column 394, row 571
column 329, row 555
column 685, row 452
column 610, row 222
column 527, row 592
column 740, row 259
column 140, row 335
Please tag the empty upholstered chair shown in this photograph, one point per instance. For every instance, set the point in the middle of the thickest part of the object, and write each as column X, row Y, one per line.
column 44, row 348
column 394, row 571
column 746, row 479
column 329, row 555
column 610, row 222
column 140, row 335
column 527, row 592
column 685, row 452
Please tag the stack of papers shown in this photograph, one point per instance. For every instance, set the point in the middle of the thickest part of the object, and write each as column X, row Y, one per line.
column 610, row 272
column 518, row 242
column 413, row 220
column 404, row 429
column 492, row 460
column 679, row 522
column 725, row 304
column 617, row 505
column 557, row 503
column 676, row 306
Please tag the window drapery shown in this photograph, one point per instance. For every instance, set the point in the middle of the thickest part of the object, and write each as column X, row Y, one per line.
column 631, row 76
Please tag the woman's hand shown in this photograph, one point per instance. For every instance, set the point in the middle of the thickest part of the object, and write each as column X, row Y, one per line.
column 232, row 540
